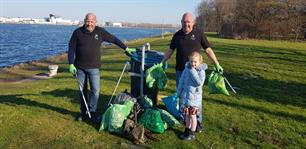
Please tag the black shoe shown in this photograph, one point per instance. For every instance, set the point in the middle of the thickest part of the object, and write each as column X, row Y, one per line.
column 189, row 136
column 94, row 117
column 185, row 133
column 199, row 130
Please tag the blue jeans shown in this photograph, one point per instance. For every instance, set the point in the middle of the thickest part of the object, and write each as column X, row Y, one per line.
column 178, row 75
column 93, row 75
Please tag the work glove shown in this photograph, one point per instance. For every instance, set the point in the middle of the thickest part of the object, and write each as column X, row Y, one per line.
column 129, row 51
column 218, row 68
column 72, row 69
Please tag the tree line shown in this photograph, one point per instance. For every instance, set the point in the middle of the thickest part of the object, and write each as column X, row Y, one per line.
column 269, row 19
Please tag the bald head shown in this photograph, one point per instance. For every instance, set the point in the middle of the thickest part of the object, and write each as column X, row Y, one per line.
column 90, row 15
column 187, row 15
column 90, row 21
column 187, row 22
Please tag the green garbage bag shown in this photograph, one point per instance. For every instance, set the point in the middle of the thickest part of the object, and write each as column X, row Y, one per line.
column 168, row 118
column 156, row 77
column 129, row 104
column 146, row 102
column 165, row 126
column 216, row 84
column 118, row 115
column 105, row 119
column 151, row 119
column 113, row 118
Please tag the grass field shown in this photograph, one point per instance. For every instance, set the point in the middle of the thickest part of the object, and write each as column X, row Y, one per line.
column 269, row 110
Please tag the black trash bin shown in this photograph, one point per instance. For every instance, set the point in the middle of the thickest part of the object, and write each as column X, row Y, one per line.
column 151, row 57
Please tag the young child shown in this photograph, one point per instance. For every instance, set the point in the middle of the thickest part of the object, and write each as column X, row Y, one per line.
column 190, row 93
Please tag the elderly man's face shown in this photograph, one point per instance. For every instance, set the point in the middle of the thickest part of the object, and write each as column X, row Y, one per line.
column 187, row 23
column 90, row 23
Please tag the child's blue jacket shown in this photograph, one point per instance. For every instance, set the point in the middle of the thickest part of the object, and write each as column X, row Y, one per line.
column 190, row 85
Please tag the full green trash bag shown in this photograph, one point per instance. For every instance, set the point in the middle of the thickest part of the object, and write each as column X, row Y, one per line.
column 113, row 118
column 216, row 84
column 151, row 119
column 105, row 119
column 168, row 118
column 156, row 76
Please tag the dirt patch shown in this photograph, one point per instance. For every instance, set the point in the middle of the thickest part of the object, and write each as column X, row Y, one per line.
column 39, row 76
column 272, row 138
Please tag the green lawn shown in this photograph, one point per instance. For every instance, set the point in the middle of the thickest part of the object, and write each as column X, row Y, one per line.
column 268, row 111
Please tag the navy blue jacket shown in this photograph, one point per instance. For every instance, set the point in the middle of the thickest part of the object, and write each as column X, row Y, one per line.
column 85, row 47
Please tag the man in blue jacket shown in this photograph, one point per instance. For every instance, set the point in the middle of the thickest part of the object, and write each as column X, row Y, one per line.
column 185, row 41
column 84, row 60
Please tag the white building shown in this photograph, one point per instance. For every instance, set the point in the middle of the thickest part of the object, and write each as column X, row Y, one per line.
column 52, row 19
column 116, row 24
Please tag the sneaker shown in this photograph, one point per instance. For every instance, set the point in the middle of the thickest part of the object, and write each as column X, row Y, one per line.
column 199, row 130
column 81, row 117
column 185, row 133
column 189, row 137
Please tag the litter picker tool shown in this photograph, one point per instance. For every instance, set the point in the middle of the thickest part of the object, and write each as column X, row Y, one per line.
column 83, row 97
column 229, row 84
column 123, row 70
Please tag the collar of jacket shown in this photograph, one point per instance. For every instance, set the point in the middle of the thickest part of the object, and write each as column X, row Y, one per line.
column 86, row 31
column 200, row 67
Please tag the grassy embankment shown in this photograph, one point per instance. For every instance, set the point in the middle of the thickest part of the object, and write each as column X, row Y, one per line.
column 268, row 111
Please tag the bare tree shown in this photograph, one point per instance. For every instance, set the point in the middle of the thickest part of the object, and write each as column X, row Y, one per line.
column 254, row 18
column 206, row 16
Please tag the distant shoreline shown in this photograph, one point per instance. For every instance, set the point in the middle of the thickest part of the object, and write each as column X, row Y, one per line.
column 37, row 24
column 140, row 27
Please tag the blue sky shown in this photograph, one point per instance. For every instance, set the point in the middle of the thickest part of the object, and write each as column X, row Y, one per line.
column 137, row 11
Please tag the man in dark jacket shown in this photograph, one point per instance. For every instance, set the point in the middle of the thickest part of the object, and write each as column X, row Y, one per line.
column 84, row 60
column 185, row 41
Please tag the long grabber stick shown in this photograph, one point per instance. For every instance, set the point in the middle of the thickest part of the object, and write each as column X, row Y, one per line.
column 123, row 70
column 83, row 97
column 229, row 84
